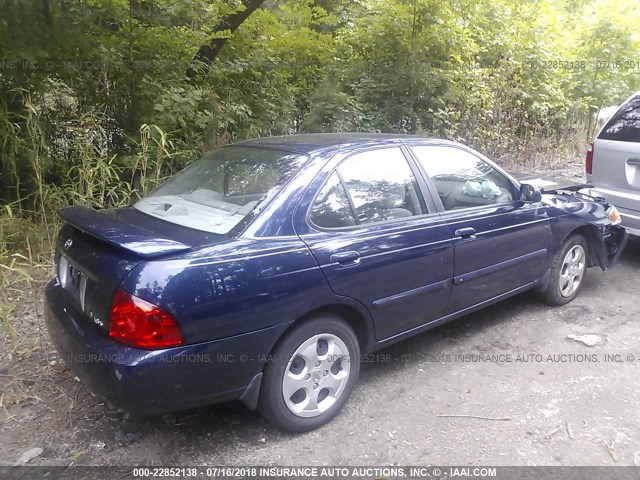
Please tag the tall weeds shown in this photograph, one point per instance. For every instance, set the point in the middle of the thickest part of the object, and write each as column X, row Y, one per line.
column 71, row 162
column 154, row 149
column 47, row 166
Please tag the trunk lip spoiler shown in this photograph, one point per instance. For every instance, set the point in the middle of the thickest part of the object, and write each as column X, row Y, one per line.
column 138, row 240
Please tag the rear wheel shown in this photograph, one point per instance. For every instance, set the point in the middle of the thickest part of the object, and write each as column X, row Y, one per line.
column 568, row 271
column 311, row 374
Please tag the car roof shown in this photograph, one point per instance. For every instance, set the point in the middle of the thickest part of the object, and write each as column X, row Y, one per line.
column 315, row 142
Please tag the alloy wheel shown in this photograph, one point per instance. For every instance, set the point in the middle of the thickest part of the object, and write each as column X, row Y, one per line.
column 316, row 375
column 572, row 272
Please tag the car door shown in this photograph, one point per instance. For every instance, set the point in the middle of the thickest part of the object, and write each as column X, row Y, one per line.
column 368, row 226
column 501, row 244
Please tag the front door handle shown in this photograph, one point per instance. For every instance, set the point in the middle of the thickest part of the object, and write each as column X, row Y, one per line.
column 468, row 233
column 634, row 161
column 345, row 258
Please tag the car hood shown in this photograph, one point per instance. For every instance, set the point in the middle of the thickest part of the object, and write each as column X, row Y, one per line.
column 577, row 200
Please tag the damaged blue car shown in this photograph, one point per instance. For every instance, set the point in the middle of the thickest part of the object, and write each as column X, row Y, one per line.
column 264, row 270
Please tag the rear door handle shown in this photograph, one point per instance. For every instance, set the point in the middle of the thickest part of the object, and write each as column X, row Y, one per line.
column 634, row 161
column 466, row 233
column 345, row 258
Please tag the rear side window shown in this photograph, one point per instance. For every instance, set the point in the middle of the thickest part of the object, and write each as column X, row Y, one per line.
column 332, row 208
column 368, row 187
column 624, row 126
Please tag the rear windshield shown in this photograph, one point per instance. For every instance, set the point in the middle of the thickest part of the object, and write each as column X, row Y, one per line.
column 624, row 126
column 217, row 192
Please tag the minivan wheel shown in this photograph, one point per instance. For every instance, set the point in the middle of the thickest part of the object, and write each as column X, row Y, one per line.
column 568, row 271
column 310, row 375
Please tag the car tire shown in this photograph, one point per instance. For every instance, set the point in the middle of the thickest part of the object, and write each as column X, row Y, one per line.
column 310, row 375
column 568, row 271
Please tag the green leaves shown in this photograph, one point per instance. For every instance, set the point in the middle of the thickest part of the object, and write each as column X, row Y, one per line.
column 495, row 73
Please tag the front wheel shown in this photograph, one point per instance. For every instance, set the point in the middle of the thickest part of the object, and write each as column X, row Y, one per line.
column 311, row 374
column 568, row 271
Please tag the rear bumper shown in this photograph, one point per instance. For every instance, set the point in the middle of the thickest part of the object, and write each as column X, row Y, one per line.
column 630, row 216
column 630, row 220
column 144, row 381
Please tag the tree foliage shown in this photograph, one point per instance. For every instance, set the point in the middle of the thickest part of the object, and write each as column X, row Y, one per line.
column 135, row 88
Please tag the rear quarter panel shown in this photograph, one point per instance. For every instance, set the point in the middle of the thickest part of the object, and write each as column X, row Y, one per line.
column 235, row 288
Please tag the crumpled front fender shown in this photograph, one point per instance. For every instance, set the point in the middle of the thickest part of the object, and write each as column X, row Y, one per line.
column 607, row 249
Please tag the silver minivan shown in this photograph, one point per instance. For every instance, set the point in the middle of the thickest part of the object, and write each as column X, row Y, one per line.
column 613, row 162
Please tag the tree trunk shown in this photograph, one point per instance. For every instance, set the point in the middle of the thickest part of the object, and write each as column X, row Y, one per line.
column 46, row 13
column 209, row 52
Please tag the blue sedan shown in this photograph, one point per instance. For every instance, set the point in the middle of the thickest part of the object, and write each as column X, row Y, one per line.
column 263, row 271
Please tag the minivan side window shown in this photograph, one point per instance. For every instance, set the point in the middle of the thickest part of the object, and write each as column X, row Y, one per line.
column 624, row 126
column 462, row 179
column 371, row 186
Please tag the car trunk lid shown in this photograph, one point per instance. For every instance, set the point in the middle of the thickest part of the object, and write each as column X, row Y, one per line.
column 97, row 249
column 120, row 233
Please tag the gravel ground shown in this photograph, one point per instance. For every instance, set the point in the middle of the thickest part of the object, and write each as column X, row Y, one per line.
column 514, row 384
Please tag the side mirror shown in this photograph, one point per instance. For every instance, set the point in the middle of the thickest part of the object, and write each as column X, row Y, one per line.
column 530, row 194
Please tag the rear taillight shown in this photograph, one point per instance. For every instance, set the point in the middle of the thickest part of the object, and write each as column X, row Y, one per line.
column 588, row 161
column 138, row 323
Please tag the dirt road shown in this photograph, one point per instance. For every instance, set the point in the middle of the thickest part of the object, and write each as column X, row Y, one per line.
column 519, row 383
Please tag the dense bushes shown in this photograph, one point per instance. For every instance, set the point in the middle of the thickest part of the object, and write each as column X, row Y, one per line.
column 96, row 106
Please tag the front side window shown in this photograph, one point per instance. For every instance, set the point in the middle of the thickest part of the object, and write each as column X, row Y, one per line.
column 217, row 192
column 462, row 179
column 372, row 186
column 624, row 126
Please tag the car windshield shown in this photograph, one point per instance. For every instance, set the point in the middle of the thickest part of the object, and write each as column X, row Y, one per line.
column 217, row 192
